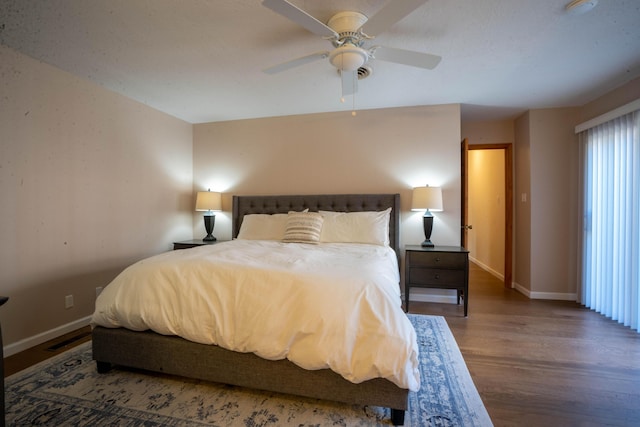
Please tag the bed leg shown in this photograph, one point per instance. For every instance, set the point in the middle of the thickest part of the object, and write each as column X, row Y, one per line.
column 397, row 417
column 103, row 367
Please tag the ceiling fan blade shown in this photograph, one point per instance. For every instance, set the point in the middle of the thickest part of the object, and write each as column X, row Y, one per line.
column 296, row 62
column 391, row 13
column 406, row 57
column 300, row 17
column 349, row 82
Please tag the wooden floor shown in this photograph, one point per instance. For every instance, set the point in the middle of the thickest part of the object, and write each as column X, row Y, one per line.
column 544, row 363
column 24, row 359
column 535, row 363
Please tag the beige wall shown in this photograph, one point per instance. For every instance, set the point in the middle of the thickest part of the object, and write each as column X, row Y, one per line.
column 489, row 132
column 486, row 209
column 546, row 198
column 554, row 196
column 611, row 100
column 522, row 199
column 388, row 150
column 487, row 250
column 546, row 190
column 546, row 165
column 90, row 181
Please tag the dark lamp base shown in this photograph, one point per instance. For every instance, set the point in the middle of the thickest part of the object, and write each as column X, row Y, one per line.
column 209, row 222
column 427, row 221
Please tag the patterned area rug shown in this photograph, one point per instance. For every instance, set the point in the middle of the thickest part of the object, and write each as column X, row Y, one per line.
column 67, row 391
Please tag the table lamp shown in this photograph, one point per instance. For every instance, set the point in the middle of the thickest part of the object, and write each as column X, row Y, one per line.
column 427, row 199
column 209, row 201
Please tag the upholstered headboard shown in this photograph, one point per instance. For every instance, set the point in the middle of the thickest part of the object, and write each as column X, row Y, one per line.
column 245, row 205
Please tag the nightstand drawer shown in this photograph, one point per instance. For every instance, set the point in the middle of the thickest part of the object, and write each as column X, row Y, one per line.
column 436, row 277
column 438, row 260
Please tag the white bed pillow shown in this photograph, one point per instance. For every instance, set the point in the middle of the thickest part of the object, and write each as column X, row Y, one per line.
column 356, row 227
column 263, row 227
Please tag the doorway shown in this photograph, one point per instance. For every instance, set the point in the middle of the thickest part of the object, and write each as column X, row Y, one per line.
column 504, row 199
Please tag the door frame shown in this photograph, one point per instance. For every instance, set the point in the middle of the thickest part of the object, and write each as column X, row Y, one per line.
column 508, row 205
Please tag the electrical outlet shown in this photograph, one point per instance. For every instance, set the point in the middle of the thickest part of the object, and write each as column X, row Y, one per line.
column 98, row 291
column 68, row 301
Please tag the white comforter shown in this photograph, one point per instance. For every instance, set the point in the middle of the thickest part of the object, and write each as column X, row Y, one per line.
column 332, row 305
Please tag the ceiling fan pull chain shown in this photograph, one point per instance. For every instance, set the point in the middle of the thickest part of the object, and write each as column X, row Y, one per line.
column 353, row 110
column 341, row 80
column 353, row 99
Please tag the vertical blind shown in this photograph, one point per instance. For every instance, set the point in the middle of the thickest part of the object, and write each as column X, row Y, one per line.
column 610, row 276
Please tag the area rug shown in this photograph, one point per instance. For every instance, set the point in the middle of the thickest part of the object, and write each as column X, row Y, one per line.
column 67, row 391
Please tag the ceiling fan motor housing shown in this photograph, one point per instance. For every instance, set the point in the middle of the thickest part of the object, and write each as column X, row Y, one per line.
column 346, row 23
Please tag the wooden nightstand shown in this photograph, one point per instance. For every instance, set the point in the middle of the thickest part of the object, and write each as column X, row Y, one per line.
column 186, row 244
column 441, row 267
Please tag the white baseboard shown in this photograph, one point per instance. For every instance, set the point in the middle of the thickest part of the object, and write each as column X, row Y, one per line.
column 487, row 268
column 35, row 340
column 526, row 292
column 546, row 295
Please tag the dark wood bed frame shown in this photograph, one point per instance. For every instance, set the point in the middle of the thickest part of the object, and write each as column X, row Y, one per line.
column 174, row 355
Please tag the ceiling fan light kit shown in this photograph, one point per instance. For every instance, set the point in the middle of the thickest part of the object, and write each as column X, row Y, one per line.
column 348, row 57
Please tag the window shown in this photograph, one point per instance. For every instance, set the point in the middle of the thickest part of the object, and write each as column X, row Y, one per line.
column 610, row 279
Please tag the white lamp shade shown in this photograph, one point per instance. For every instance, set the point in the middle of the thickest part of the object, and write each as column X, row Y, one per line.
column 208, row 201
column 426, row 198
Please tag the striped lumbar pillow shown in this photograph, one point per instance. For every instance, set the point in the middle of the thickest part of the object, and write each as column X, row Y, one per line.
column 303, row 227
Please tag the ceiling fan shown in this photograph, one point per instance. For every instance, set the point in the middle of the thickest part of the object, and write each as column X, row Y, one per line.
column 348, row 32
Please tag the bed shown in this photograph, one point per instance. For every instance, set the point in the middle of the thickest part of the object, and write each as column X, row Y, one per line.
column 168, row 353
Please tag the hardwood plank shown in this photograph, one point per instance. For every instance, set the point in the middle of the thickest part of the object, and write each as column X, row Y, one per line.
column 30, row 357
column 544, row 363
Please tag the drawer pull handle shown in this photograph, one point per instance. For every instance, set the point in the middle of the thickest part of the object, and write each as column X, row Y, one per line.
column 438, row 276
column 437, row 259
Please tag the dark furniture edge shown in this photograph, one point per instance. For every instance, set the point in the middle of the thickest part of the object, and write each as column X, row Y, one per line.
column 176, row 356
column 2, row 403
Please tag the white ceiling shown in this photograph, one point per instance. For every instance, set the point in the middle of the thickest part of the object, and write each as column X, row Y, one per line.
column 201, row 60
